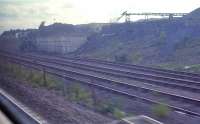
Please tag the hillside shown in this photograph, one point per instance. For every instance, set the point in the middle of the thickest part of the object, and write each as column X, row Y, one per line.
column 55, row 38
column 172, row 44
column 164, row 43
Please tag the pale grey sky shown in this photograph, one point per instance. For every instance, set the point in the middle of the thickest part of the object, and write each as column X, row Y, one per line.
column 29, row 13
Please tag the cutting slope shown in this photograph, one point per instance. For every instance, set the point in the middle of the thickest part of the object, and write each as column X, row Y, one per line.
column 157, row 42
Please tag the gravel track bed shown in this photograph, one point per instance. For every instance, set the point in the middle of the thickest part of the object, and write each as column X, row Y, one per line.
column 97, row 64
column 138, row 92
column 60, row 115
column 127, row 75
column 107, row 64
column 139, row 84
column 131, row 90
column 172, row 102
column 51, row 105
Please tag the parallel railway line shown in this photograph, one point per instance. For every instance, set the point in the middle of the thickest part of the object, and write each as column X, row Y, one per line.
column 134, row 68
column 91, row 75
column 193, row 86
column 110, row 89
column 131, row 89
column 16, row 113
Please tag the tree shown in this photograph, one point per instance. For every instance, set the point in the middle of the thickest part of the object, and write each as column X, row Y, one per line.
column 42, row 24
column 121, row 58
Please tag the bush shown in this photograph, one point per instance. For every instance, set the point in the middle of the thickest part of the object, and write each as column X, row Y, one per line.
column 79, row 94
column 118, row 113
column 37, row 79
column 110, row 109
column 121, row 58
column 161, row 110
column 31, row 75
column 136, row 57
column 52, row 82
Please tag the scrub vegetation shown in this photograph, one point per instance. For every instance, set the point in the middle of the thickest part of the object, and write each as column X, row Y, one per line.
column 161, row 110
column 74, row 92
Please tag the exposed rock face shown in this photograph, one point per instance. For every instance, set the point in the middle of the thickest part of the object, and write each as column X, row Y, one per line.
column 10, row 40
column 152, row 42
column 55, row 38
column 62, row 44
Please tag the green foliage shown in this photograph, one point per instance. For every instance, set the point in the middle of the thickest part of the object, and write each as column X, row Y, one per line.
column 29, row 75
column 101, row 107
column 28, row 43
column 118, row 113
column 52, row 82
column 33, row 76
column 8, row 68
column 36, row 78
column 161, row 110
column 12, row 69
column 136, row 57
column 171, row 66
column 194, row 68
column 162, row 38
column 15, row 70
column 121, row 58
column 27, row 46
column 109, row 108
column 42, row 25
column 187, row 43
column 79, row 94
column 75, row 91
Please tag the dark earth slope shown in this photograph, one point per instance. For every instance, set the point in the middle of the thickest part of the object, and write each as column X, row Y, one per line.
column 168, row 43
column 172, row 44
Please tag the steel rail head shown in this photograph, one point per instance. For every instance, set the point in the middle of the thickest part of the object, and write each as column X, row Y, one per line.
column 111, row 81
column 14, row 113
column 118, row 91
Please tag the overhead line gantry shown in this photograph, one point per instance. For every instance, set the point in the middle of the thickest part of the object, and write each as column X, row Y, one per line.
column 170, row 15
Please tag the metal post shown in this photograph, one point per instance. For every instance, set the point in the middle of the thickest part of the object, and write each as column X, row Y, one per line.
column 64, row 89
column 20, row 69
column 94, row 97
column 95, row 101
column 171, row 17
column 1, row 66
column 146, row 17
column 64, row 86
column 128, row 18
column 44, row 77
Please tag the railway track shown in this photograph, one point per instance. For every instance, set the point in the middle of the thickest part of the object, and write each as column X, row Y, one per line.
column 187, row 85
column 144, row 68
column 193, row 86
column 16, row 112
column 137, row 68
column 110, row 89
column 105, row 75
column 179, row 77
column 137, row 92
